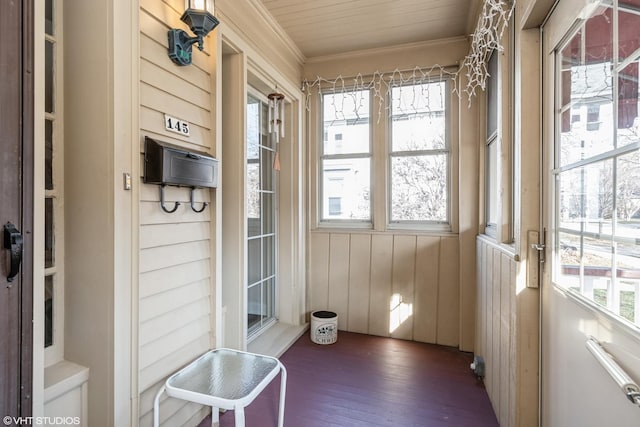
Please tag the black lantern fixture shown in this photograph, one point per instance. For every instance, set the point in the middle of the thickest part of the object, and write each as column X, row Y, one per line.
column 198, row 15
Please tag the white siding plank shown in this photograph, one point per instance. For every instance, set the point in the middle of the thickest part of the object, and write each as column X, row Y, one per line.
column 159, row 304
column 171, row 277
column 152, row 236
column 449, row 293
column 359, row 275
column 495, row 328
column 319, row 271
column 161, row 348
column 404, row 258
column 505, row 337
column 181, row 317
column 339, row 277
column 163, row 80
column 381, row 279
column 165, row 256
column 426, row 295
column 160, row 100
column 175, row 360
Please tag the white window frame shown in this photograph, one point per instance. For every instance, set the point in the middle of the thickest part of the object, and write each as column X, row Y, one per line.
column 335, row 222
column 504, row 229
column 55, row 353
column 255, row 332
column 390, row 154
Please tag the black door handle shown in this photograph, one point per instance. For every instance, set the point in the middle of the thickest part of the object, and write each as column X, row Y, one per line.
column 13, row 242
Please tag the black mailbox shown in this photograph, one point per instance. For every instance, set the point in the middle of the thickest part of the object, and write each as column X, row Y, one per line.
column 166, row 164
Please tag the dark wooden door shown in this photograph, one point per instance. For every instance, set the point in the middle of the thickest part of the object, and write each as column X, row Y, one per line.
column 16, row 207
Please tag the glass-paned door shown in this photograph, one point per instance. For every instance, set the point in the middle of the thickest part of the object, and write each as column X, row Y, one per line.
column 597, row 174
column 261, row 218
column 591, row 212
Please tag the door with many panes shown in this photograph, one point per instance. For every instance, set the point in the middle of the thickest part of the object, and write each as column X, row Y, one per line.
column 261, row 202
column 16, row 209
column 591, row 288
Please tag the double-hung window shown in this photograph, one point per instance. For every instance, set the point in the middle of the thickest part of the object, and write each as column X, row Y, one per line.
column 345, row 158
column 419, row 155
column 386, row 153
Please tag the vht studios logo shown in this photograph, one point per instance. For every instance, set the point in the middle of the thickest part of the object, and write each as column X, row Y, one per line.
column 40, row 421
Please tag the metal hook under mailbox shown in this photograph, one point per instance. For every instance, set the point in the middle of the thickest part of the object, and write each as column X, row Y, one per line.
column 175, row 207
column 204, row 204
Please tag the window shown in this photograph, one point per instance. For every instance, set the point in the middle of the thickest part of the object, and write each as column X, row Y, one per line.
column 597, row 164
column 345, row 157
column 419, row 154
column 54, row 190
column 261, row 218
column 492, row 187
column 409, row 143
column 500, row 174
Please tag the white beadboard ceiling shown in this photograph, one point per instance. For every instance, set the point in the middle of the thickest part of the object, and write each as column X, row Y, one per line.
column 327, row 27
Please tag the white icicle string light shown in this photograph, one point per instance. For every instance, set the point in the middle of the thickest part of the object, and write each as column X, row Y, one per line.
column 486, row 38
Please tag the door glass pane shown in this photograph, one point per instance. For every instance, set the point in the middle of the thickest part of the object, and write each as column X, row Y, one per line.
column 48, row 77
column 254, row 307
column 48, row 16
column 254, row 261
column 268, row 298
column 268, row 252
column 48, row 311
column 586, row 122
column 569, row 250
column 628, row 24
column 49, row 236
column 268, row 220
column 628, row 123
column 48, row 155
column 266, row 162
column 628, row 194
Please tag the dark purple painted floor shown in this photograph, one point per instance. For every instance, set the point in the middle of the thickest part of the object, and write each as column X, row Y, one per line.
column 367, row 381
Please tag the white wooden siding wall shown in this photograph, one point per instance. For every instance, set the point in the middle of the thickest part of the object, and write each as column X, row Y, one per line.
column 495, row 341
column 356, row 275
column 507, row 335
column 175, row 249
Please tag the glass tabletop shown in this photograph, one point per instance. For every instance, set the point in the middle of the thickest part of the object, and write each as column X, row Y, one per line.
column 224, row 373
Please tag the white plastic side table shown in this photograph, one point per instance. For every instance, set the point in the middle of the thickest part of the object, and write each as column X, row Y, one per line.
column 224, row 379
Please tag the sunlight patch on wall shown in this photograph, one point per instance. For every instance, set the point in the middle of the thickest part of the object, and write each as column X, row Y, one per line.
column 399, row 312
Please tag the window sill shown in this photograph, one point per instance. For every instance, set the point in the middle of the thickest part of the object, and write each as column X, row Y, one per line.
column 402, row 232
column 63, row 377
column 277, row 339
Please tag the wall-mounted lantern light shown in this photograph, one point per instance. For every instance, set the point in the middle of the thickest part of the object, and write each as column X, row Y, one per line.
column 198, row 15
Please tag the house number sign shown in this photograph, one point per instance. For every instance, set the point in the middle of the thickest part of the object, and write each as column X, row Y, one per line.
column 176, row 125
